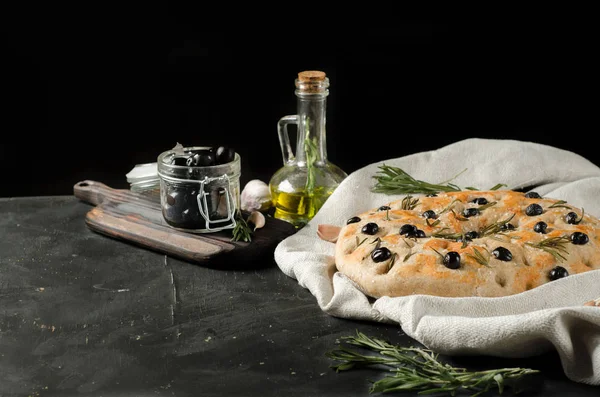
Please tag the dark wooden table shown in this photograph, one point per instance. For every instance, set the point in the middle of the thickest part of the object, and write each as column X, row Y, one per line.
column 82, row 314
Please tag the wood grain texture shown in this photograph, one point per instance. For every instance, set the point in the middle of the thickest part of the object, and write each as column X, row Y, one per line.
column 137, row 218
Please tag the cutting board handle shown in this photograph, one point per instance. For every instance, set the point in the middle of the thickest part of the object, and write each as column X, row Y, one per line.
column 94, row 192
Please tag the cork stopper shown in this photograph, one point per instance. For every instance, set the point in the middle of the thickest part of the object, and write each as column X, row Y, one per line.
column 312, row 82
column 308, row 76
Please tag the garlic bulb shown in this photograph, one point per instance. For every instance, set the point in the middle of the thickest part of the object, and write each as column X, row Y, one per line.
column 256, row 196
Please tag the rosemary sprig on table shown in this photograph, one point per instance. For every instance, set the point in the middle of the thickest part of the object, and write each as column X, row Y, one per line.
column 414, row 369
column 555, row 246
column 241, row 231
column 394, row 180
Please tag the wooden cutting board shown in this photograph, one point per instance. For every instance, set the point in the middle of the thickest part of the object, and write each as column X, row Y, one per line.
column 137, row 218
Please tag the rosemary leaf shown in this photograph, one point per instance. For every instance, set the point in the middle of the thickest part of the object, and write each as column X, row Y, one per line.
column 486, row 206
column 394, row 180
column 495, row 228
column 560, row 204
column 438, row 252
column 432, row 224
column 241, row 231
column 458, row 217
column 555, row 246
column 392, row 261
column 414, row 369
column 498, row 186
column 377, row 242
column 449, row 206
column 578, row 221
column 479, row 258
column 408, row 203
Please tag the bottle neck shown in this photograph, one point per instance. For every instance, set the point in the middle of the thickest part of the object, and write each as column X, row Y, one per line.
column 311, row 145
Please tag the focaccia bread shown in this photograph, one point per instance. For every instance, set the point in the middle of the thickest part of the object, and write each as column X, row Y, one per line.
column 466, row 243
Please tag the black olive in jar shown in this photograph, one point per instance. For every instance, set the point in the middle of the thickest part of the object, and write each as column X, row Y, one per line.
column 203, row 158
column 181, row 208
column 201, row 196
column 224, row 155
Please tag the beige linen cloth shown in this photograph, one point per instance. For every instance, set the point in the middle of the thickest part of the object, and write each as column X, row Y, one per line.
column 552, row 316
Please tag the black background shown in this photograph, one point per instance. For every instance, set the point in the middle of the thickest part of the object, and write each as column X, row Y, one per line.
column 88, row 96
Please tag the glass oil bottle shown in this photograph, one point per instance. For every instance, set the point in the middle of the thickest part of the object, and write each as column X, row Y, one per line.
column 307, row 178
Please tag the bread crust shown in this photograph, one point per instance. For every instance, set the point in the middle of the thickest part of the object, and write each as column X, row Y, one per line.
column 416, row 263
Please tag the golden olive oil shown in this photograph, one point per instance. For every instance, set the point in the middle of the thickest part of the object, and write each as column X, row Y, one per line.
column 307, row 178
column 299, row 207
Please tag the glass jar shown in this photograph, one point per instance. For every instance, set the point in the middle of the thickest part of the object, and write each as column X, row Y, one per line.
column 198, row 199
column 307, row 178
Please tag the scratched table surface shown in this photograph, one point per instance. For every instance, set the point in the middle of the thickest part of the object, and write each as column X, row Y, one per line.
column 82, row 314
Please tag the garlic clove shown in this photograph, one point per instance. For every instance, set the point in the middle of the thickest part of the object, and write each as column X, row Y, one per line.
column 256, row 196
column 257, row 219
column 328, row 232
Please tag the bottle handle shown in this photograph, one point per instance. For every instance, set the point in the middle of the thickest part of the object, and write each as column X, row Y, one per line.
column 284, row 138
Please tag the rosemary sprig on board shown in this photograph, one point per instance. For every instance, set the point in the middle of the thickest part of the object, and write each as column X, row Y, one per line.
column 394, row 180
column 241, row 231
column 414, row 369
column 555, row 246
